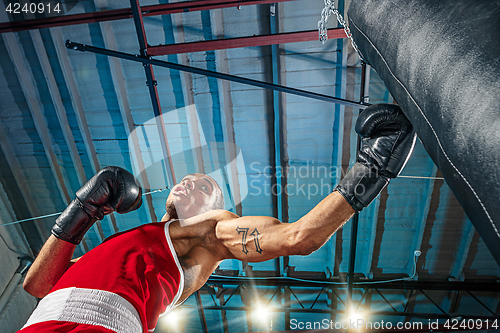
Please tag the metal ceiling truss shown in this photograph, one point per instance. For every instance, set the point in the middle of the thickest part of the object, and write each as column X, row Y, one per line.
column 473, row 286
column 231, row 286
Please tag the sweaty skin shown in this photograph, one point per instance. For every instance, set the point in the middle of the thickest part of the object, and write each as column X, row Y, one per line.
column 202, row 239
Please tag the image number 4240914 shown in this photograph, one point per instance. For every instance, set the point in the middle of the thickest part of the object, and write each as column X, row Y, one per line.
column 33, row 8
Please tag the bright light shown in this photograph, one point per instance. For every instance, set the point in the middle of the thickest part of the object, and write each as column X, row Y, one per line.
column 262, row 314
column 356, row 316
column 172, row 319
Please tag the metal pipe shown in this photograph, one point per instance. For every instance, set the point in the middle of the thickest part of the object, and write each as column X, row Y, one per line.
column 14, row 282
column 166, row 64
column 279, row 177
column 275, row 134
column 352, row 259
column 355, row 219
column 153, row 91
column 126, row 13
column 199, row 306
column 490, row 285
column 365, row 98
column 248, row 41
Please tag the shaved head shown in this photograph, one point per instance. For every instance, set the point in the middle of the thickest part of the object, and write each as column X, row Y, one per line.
column 196, row 194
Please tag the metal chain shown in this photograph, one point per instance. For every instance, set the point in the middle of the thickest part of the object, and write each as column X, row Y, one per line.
column 323, row 27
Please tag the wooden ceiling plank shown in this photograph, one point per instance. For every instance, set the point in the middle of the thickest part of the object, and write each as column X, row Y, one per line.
column 76, row 101
column 61, row 115
column 28, row 84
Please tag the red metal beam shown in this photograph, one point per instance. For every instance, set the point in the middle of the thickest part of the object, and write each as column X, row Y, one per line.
column 125, row 13
column 230, row 43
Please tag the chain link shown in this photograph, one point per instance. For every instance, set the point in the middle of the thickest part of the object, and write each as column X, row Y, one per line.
column 323, row 27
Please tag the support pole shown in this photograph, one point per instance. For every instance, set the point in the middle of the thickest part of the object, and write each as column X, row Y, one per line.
column 199, row 305
column 352, row 261
column 355, row 221
column 151, row 83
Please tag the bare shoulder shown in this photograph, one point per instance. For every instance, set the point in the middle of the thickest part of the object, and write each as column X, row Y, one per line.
column 198, row 230
column 218, row 215
column 202, row 221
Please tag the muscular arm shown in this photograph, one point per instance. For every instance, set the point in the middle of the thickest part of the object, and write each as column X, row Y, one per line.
column 50, row 264
column 262, row 238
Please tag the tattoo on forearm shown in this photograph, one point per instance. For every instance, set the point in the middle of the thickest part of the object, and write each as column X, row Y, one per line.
column 255, row 233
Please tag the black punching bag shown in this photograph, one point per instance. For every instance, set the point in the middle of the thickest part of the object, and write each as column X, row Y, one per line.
column 440, row 60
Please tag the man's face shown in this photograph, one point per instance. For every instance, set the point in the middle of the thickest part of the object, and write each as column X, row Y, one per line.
column 194, row 195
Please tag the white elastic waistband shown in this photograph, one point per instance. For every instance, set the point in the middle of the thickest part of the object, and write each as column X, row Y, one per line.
column 88, row 306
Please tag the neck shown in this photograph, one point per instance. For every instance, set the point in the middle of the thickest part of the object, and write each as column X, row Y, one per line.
column 167, row 218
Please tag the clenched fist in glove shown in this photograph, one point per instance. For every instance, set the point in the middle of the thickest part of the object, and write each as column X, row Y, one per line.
column 387, row 140
column 111, row 189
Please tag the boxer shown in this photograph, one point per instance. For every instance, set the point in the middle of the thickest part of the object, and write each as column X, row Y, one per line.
column 128, row 281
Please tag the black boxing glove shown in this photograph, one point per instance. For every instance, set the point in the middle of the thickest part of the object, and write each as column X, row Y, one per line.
column 387, row 141
column 111, row 189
